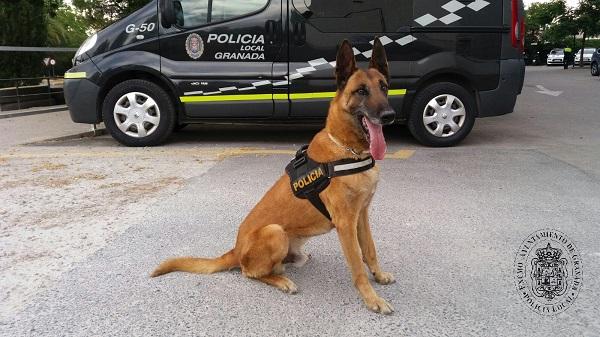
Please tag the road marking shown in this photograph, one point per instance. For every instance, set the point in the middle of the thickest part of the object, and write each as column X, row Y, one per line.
column 402, row 154
column 219, row 153
column 545, row 91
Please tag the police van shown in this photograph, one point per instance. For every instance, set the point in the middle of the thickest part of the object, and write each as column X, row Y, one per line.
column 176, row 62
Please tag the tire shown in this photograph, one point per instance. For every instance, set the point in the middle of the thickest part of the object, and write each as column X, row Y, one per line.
column 447, row 127
column 595, row 69
column 157, row 117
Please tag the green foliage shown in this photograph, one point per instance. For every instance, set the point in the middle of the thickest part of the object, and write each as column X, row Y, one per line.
column 66, row 29
column 554, row 25
column 100, row 14
column 23, row 23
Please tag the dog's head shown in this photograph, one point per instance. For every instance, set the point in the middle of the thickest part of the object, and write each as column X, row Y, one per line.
column 363, row 95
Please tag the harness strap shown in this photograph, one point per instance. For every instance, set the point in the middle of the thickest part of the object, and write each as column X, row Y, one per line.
column 308, row 177
column 316, row 201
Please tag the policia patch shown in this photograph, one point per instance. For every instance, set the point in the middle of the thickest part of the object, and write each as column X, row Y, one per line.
column 308, row 177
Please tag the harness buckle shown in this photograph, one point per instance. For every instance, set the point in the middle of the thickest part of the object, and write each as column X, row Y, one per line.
column 300, row 157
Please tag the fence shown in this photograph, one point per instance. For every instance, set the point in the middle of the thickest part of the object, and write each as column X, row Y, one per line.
column 16, row 95
column 21, row 92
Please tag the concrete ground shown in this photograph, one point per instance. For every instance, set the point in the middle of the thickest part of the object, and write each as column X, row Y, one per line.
column 84, row 221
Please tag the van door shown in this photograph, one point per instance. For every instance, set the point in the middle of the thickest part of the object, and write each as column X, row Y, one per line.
column 220, row 56
column 315, row 29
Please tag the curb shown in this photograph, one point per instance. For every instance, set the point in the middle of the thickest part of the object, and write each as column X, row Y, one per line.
column 88, row 134
column 29, row 112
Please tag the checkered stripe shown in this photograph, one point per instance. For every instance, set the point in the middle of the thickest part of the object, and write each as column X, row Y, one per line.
column 312, row 66
column 451, row 7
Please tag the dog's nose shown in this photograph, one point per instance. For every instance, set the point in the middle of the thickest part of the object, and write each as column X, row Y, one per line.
column 387, row 116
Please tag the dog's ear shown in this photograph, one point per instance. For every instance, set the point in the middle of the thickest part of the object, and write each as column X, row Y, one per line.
column 345, row 64
column 379, row 59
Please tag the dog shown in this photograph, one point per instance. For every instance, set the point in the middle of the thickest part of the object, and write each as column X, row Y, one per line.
column 275, row 231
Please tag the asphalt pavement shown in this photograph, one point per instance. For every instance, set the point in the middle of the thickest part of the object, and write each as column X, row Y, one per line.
column 446, row 222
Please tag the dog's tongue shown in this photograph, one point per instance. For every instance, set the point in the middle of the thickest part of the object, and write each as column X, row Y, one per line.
column 378, row 146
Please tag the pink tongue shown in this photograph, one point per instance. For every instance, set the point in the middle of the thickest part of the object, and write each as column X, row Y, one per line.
column 378, row 146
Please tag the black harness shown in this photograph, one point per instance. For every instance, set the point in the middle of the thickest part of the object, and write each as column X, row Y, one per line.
column 308, row 177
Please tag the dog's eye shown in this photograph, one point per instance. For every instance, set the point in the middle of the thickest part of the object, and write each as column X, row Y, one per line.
column 384, row 88
column 363, row 92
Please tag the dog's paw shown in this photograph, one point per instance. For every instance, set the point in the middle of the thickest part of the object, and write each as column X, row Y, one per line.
column 379, row 305
column 384, row 278
column 288, row 287
column 301, row 259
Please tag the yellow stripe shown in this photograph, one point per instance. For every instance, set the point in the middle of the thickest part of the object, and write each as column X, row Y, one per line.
column 397, row 92
column 312, row 95
column 75, row 75
column 262, row 97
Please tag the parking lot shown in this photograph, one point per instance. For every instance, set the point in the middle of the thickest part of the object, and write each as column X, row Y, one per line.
column 83, row 221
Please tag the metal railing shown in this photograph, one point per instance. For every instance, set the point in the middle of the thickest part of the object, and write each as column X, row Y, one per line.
column 29, row 95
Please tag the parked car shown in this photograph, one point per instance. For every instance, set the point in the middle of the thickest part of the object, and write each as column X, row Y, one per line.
column 595, row 64
column 178, row 62
column 587, row 55
column 555, row 57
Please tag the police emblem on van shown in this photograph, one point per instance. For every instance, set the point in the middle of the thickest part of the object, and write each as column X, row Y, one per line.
column 194, row 45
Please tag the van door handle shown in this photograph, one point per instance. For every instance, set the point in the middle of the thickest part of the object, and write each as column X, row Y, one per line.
column 270, row 29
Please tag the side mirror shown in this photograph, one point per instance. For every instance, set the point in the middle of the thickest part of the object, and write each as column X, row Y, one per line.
column 171, row 13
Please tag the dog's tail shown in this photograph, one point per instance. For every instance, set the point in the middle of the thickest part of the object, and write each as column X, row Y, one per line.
column 197, row 265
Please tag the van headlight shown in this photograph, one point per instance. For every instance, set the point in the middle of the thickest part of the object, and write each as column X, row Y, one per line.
column 85, row 47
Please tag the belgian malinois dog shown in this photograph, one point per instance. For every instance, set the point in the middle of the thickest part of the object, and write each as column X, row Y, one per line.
column 276, row 230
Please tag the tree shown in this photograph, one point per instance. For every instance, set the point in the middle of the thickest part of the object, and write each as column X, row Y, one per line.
column 588, row 21
column 66, row 28
column 542, row 33
column 23, row 23
column 100, row 14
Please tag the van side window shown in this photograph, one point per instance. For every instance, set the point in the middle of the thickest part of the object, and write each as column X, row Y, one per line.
column 201, row 12
column 359, row 16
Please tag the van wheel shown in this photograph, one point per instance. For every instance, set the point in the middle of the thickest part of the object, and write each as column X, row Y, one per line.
column 442, row 114
column 138, row 113
column 595, row 69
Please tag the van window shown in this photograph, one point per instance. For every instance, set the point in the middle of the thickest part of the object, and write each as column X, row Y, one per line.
column 359, row 16
column 202, row 12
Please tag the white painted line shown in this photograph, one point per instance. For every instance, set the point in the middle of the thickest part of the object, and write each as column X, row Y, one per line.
column 544, row 91
column 193, row 93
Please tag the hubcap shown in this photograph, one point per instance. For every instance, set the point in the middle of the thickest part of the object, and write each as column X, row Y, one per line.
column 444, row 115
column 136, row 114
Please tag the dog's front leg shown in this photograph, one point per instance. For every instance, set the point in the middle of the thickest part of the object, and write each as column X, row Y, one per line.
column 368, row 250
column 347, row 229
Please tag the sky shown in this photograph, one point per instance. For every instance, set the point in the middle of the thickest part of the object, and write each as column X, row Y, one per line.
column 571, row 3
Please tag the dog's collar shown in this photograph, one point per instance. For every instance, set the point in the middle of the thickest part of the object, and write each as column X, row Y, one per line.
column 347, row 148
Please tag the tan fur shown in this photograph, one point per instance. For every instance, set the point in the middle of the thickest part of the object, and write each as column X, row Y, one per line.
column 280, row 223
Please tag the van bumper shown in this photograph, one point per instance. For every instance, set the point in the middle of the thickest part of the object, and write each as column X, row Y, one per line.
column 502, row 100
column 81, row 96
